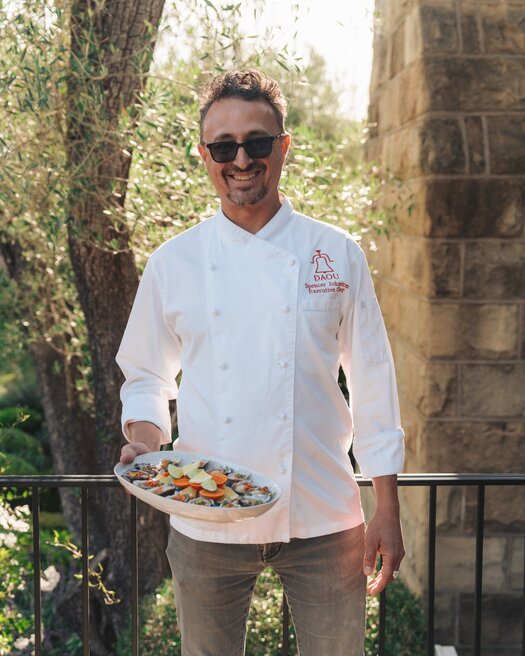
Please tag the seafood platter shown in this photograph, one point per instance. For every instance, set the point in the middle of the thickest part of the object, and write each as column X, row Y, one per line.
column 193, row 485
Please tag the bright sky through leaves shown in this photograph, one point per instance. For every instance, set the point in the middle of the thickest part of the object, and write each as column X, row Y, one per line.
column 340, row 30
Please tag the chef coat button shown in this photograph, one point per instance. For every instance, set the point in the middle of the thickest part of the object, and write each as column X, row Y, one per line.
column 291, row 262
column 282, row 364
column 227, row 420
column 213, row 266
column 215, row 312
column 285, row 309
column 282, row 469
column 282, row 417
column 223, row 365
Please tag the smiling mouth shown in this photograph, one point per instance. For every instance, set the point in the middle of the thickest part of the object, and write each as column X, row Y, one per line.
column 244, row 177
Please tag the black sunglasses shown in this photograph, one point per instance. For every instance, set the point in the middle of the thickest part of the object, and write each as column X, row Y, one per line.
column 256, row 148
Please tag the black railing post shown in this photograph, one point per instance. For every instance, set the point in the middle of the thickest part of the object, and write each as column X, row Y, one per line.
column 431, row 567
column 479, row 568
column 523, row 614
column 36, row 570
column 85, row 572
column 286, row 624
column 134, row 579
column 382, row 623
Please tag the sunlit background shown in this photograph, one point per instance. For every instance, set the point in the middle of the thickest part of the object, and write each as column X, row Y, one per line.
column 339, row 30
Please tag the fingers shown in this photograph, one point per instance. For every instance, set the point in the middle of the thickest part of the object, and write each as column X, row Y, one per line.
column 384, row 577
column 130, row 451
column 369, row 562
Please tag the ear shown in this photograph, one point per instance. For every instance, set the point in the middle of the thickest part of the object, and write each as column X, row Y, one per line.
column 203, row 151
column 285, row 144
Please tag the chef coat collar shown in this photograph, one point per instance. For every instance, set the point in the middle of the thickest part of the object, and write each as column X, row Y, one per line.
column 274, row 225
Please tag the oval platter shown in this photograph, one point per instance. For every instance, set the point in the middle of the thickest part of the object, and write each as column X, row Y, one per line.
column 184, row 509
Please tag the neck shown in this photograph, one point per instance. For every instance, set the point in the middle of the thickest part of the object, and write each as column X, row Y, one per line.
column 252, row 218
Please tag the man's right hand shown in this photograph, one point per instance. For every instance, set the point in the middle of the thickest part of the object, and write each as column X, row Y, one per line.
column 144, row 438
column 130, row 451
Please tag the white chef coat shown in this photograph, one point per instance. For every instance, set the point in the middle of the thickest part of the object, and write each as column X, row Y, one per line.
column 259, row 325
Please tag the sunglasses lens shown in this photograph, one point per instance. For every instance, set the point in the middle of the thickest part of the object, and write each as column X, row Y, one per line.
column 224, row 151
column 259, row 147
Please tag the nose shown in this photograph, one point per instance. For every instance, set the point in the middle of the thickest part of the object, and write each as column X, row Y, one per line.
column 242, row 159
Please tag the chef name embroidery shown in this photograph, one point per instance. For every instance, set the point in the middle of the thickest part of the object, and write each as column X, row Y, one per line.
column 326, row 279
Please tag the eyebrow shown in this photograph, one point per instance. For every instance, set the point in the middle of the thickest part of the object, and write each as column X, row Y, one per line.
column 227, row 136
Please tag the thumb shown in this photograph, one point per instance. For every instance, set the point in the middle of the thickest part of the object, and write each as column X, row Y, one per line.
column 369, row 562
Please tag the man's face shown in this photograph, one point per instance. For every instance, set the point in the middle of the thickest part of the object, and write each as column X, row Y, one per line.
column 244, row 181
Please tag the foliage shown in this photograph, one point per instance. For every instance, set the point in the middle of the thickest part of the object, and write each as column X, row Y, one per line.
column 29, row 418
column 16, row 574
column 167, row 190
column 405, row 623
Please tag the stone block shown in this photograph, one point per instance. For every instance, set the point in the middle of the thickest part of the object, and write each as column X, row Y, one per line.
column 504, row 510
column 476, row 446
column 388, row 106
column 450, row 507
column 439, row 30
column 432, row 387
column 455, row 563
column 427, row 267
column 413, row 36
column 441, row 146
column 473, row 208
column 401, row 151
column 445, row 618
column 397, row 59
column 475, row 84
column 493, row 390
column 470, row 34
column 506, row 137
column 411, row 102
column 470, row 331
column 503, row 31
column 475, row 144
column 494, row 269
column 516, row 559
column 501, row 620
column 380, row 63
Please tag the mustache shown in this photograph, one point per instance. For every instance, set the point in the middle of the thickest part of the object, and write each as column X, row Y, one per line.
column 251, row 167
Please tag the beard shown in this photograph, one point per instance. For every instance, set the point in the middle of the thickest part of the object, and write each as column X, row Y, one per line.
column 241, row 197
column 248, row 197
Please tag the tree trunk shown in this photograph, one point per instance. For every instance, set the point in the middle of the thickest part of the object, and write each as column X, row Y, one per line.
column 111, row 46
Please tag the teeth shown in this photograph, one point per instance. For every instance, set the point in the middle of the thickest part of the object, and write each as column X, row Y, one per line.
column 244, row 178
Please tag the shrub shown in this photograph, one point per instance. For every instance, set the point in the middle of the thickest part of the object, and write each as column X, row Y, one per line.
column 16, row 579
column 28, row 419
column 21, row 453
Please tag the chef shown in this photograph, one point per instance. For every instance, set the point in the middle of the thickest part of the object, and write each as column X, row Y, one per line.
column 259, row 306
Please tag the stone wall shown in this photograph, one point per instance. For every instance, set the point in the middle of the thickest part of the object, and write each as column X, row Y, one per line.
column 447, row 115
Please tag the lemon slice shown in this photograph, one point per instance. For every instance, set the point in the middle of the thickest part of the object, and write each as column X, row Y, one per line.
column 209, row 484
column 198, row 476
column 175, row 471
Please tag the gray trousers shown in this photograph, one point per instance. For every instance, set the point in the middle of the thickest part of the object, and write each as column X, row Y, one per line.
column 322, row 578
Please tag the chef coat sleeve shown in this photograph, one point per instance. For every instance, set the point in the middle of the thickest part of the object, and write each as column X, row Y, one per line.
column 149, row 357
column 367, row 362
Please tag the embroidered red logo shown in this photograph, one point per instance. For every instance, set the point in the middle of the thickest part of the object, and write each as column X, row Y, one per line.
column 323, row 270
column 325, row 277
column 321, row 261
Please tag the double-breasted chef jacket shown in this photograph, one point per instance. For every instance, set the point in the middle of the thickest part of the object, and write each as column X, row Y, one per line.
column 259, row 325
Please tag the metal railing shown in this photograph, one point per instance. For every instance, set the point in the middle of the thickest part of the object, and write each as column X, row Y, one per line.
column 432, row 481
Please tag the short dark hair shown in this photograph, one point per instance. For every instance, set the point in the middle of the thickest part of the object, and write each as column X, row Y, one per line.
column 247, row 85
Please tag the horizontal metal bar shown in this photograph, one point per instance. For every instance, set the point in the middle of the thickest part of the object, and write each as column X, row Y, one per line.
column 421, row 479
column 74, row 480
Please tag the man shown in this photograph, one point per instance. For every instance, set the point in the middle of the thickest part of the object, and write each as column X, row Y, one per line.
column 259, row 306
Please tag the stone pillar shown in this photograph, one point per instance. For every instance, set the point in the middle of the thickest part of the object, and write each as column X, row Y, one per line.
column 447, row 115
